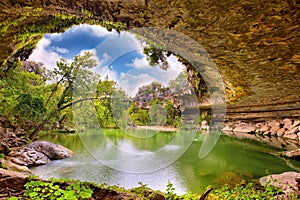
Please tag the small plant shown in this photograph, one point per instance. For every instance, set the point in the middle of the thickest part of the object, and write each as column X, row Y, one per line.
column 246, row 191
column 37, row 189
column 170, row 195
column 13, row 198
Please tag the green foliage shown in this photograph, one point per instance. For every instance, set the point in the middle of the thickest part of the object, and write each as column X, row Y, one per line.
column 103, row 103
column 21, row 93
column 246, row 191
column 29, row 107
column 2, row 155
column 170, row 195
column 173, row 114
column 203, row 116
column 87, row 12
column 157, row 114
column 13, row 198
column 157, row 56
column 138, row 115
column 73, row 190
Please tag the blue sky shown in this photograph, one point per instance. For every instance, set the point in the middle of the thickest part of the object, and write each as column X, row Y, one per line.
column 120, row 56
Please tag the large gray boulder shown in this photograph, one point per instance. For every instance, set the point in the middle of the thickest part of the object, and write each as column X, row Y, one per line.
column 51, row 150
column 39, row 153
column 28, row 157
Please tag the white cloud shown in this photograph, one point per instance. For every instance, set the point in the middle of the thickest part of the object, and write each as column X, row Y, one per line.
column 40, row 54
column 175, row 64
column 131, row 82
column 143, row 74
column 61, row 50
column 139, row 63
column 57, row 37
column 104, row 59
column 97, row 31
column 100, row 31
column 106, row 71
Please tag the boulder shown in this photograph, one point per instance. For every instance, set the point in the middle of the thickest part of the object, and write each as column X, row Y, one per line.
column 227, row 128
column 292, row 130
column 287, row 123
column 51, row 150
column 296, row 123
column 39, row 153
column 287, row 181
column 281, row 132
column 15, row 167
column 29, row 157
column 293, row 153
column 265, row 128
column 290, row 136
column 275, row 126
column 244, row 128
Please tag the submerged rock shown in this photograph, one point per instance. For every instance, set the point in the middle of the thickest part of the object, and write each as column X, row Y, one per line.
column 39, row 153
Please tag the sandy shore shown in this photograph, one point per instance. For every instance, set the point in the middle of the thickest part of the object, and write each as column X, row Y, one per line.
column 156, row 128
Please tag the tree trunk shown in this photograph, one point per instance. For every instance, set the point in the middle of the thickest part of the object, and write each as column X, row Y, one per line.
column 33, row 136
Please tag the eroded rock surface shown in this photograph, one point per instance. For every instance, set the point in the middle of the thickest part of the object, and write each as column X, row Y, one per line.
column 39, row 153
column 11, row 184
column 51, row 150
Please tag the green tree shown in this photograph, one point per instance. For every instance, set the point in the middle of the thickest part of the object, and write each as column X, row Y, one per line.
column 103, row 103
column 21, row 93
column 120, row 108
column 29, row 107
column 157, row 113
column 173, row 114
column 138, row 115
column 76, row 79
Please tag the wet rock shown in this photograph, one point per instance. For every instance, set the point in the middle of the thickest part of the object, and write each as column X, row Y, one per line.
column 293, row 153
column 287, row 181
column 51, row 150
column 244, row 128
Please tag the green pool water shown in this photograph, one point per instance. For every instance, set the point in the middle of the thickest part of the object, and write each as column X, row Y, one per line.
column 123, row 158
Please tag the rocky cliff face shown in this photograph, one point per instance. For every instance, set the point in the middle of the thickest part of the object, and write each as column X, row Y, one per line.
column 255, row 44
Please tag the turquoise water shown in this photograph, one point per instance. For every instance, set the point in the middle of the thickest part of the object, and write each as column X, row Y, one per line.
column 127, row 158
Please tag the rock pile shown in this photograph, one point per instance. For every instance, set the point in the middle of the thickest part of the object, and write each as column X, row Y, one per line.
column 11, row 138
column 286, row 128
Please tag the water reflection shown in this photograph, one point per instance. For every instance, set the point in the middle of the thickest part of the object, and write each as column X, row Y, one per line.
column 229, row 162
